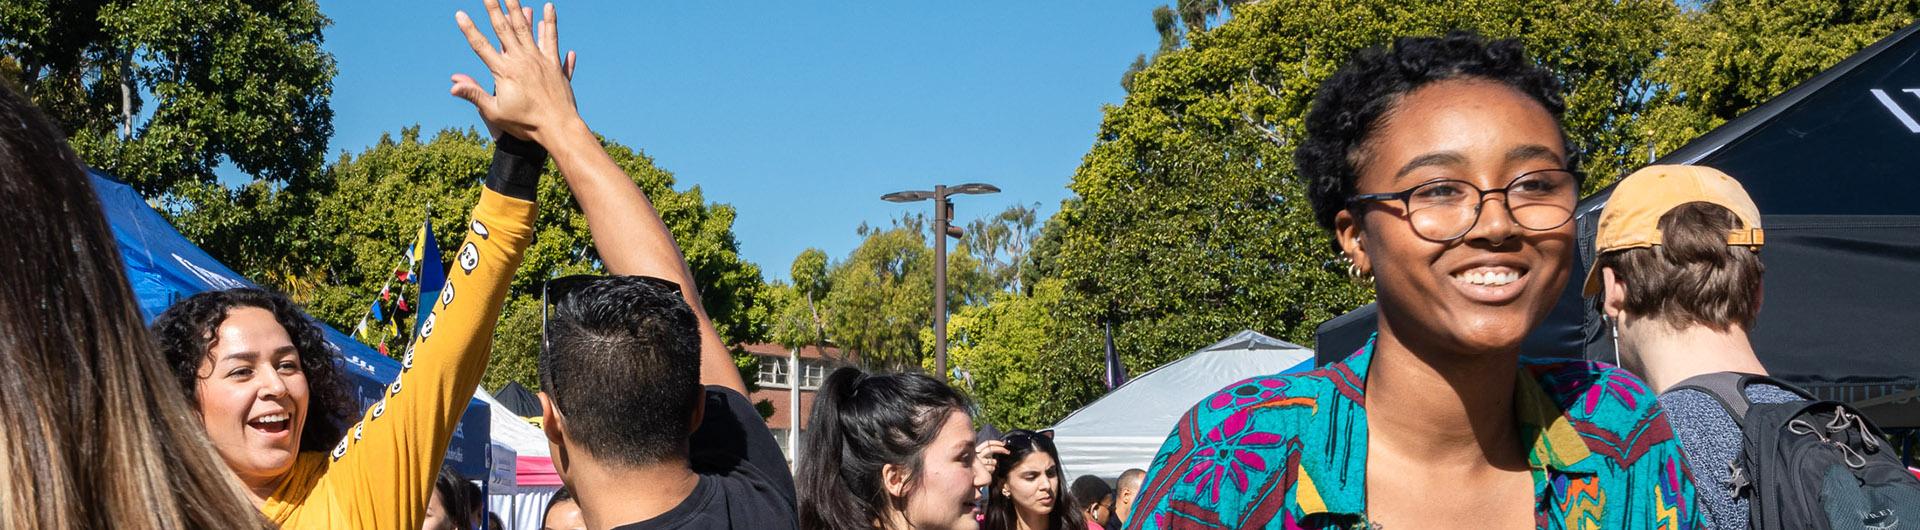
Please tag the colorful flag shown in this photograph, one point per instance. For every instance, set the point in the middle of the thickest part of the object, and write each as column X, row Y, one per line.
column 419, row 242
column 433, row 274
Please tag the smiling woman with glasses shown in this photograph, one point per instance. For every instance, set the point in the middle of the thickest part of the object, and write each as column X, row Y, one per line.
column 1439, row 167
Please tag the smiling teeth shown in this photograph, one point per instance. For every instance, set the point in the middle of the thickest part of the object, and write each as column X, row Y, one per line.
column 276, row 418
column 1488, row 278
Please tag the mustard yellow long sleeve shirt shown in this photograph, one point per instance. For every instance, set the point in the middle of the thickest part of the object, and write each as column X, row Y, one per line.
column 381, row 474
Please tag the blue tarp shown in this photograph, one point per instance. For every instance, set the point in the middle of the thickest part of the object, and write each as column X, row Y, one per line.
column 164, row 267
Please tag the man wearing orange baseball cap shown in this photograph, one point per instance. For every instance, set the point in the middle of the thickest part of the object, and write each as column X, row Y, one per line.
column 1678, row 280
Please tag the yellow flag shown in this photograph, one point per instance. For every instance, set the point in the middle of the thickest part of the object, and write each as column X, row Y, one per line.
column 419, row 247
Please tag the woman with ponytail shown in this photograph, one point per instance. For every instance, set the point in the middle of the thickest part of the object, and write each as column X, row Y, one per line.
column 891, row 451
column 1027, row 492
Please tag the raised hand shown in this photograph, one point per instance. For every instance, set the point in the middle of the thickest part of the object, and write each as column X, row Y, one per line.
column 985, row 461
column 533, row 92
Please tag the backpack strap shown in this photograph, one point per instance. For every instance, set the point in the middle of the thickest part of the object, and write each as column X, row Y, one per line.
column 1750, row 379
column 1729, row 388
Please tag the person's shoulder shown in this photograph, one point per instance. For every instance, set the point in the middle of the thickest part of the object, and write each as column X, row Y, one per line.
column 1278, row 397
column 1600, row 397
column 756, row 501
column 725, row 394
column 1765, row 392
column 1232, row 446
column 1251, row 415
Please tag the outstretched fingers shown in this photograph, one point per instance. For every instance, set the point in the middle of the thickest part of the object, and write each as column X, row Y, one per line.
column 549, row 34
column 481, row 46
column 502, row 29
column 522, row 33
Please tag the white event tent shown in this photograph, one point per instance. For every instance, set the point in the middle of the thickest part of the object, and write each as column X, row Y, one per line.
column 1125, row 428
column 519, row 490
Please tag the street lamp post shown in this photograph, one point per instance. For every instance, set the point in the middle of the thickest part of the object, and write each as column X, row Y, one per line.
column 942, row 229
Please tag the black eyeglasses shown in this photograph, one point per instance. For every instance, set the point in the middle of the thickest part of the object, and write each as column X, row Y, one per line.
column 557, row 290
column 1445, row 210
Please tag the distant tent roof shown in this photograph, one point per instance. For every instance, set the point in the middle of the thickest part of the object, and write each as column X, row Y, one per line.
column 513, row 431
column 1124, row 428
column 518, row 399
column 1832, row 165
column 163, row 267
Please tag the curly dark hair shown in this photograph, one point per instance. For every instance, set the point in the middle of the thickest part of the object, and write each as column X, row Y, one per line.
column 186, row 332
column 1350, row 104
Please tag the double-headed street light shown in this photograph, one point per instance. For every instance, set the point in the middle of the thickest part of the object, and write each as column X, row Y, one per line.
column 942, row 228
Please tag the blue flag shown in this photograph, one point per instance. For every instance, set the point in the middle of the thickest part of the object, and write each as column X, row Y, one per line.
column 433, row 275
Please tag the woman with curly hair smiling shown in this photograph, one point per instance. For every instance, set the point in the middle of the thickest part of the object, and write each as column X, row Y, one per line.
column 1440, row 169
column 262, row 375
column 273, row 401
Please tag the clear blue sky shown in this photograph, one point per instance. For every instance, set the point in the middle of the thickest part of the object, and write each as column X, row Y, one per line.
column 799, row 114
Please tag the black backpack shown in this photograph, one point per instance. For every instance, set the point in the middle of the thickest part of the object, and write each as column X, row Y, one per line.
column 1812, row 464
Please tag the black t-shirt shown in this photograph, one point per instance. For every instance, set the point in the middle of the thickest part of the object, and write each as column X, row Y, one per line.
column 744, row 482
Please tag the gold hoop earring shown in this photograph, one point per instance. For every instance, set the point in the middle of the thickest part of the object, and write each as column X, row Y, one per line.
column 1358, row 276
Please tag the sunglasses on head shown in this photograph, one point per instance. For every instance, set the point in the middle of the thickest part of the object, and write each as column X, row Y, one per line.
column 1023, row 436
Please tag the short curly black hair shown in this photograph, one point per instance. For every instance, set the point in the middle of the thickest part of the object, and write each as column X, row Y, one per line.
column 186, row 332
column 1350, row 104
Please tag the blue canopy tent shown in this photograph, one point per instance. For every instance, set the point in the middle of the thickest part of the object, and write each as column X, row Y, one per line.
column 163, row 267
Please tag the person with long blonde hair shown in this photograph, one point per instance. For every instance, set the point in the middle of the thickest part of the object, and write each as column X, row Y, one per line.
column 94, row 432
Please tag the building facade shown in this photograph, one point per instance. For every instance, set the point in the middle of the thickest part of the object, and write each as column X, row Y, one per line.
column 788, row 379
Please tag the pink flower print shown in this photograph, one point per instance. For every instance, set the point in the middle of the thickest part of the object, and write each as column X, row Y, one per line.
column 1227, row 456
column 1247, row 392
column 1621, row 387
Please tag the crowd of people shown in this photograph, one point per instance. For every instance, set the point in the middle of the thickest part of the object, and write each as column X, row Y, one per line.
column 1438, row 165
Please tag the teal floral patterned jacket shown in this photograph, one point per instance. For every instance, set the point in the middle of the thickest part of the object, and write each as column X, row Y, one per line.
column 1289, row 451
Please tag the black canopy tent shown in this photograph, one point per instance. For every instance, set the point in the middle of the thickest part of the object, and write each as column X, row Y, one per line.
column 1834, row 165
column 518, row 399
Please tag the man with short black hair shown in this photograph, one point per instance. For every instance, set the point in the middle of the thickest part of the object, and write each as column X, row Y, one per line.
column 643, row 409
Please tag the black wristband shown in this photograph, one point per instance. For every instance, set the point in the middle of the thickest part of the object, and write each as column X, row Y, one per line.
column 516, row 169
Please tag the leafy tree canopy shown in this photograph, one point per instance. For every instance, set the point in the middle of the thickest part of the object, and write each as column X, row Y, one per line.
column 367, row 208
column 160, row 92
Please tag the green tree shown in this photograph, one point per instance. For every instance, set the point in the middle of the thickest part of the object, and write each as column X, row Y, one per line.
column 801, row 321
column 1002, row 243
column 877, row 302
column 882, row 295
column 244, row 82
column 160, row 92
column 1004, row 348
column 1172, row 24
column 366, row 210
column 1727, row 57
